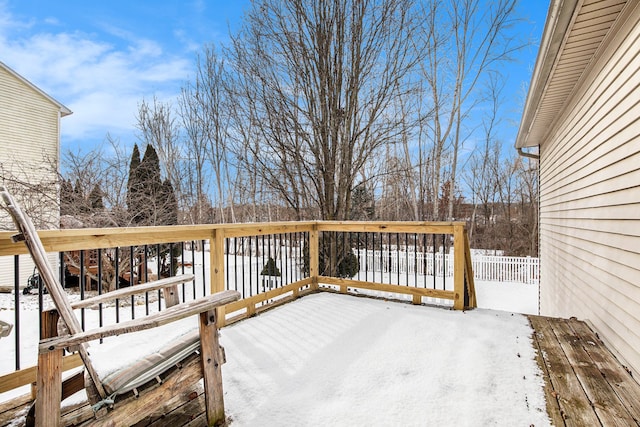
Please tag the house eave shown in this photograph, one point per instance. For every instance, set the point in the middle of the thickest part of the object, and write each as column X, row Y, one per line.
column 559, row 17
column 64, row 111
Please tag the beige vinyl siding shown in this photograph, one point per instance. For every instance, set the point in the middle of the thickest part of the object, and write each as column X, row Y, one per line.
column 590, row 199
column 29, row 134
column 30, row 122
column 25, row 269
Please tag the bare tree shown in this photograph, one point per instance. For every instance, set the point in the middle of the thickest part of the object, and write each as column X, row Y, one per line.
column 86, row 172
column 205, row 113
column 158, row 128
column 37, row 191
column 464, row 40
column 317, row 81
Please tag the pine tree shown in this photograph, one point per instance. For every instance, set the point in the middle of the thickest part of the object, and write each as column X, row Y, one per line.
column 170, row 215
column 133, row 187
column 95, row 199
column 150, row 200
column 80, row 203
column 150, row 188
column 67, row 198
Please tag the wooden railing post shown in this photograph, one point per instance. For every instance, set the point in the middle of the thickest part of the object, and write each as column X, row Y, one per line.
column 314, row 253
column 216, row 257
column 471, row 287
column 212, row 370
column 458, row 266
column 49, row 376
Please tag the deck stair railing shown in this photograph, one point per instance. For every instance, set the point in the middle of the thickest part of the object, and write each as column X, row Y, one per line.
column 268, row 263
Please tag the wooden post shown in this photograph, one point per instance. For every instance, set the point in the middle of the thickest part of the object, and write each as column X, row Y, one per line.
column 216, row 256
column 49, row 376
column 314, row 254
column 471, row 287
column 211, row 357
column 458, row 266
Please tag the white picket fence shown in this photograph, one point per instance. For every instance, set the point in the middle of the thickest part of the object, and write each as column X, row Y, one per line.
column 485, row 267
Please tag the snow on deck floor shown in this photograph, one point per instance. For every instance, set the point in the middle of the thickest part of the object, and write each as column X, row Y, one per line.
column 340, row 360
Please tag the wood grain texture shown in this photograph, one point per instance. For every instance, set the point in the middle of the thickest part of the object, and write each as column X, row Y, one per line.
column 171, row 314
column 212, row 369
column 585, row 383
column 133, row 290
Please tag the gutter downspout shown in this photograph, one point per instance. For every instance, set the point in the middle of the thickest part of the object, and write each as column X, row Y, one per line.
column 529, row 155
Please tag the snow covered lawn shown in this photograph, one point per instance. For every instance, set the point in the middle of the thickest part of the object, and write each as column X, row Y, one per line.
column 339, row 360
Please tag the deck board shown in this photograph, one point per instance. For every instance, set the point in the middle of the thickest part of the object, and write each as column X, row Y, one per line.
column 586, row 384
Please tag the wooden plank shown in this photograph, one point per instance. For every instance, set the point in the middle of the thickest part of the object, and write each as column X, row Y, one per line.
column 261, row 229
column 155, row 400
column 14, row 409
column 95, row 238
column 26, row 376
column 621, row 382
column 171, row 295
column 211, row 369
column 458, row 267
column 216, row 259
column 607, row 406
column 263, row 296
column 314, row 257
column 574, row 405
column 388, row 226
column 160, row 318
column 185, row 414
column 385, row 287
column 49, row 388
column 73, row 384
column 471, row 286
column 551, row 396
column 133, row 290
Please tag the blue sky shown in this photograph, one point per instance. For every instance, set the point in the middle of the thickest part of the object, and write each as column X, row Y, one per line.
column 101, row 58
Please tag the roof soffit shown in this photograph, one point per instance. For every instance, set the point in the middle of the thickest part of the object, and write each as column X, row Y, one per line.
column 573, row 35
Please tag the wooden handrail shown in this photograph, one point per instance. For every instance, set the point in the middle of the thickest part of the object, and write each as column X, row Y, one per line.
column 95, row 238
column 160, row 318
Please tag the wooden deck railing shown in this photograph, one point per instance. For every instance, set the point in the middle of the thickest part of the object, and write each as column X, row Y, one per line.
column 238, row 255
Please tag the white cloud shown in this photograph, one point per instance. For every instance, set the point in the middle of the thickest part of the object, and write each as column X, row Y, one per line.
column 101, row 82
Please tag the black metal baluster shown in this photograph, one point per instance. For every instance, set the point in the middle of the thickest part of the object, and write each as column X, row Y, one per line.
column 116, row 268
column 100, row 287
column 132, row 278
column 83, row 284
column 16, row 308
column 158, row 274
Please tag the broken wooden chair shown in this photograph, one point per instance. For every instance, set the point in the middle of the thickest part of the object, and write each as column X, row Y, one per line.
column 126, row 392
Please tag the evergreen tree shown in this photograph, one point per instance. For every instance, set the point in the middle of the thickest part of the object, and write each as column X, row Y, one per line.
column 133, row 187
column 67, row 198
column 150, row 188
column 95, row 199
column 362, row 204
column 80, row 203
column 170, row 216
column 150, row 200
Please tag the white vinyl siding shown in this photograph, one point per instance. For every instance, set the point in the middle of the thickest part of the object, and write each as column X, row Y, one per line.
column 29, row 135
column 590, row 200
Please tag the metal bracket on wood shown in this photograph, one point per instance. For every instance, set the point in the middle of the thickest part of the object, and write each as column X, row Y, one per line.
column 18, row 238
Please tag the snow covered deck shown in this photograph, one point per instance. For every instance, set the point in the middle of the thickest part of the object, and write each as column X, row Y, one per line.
column 331, row 359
